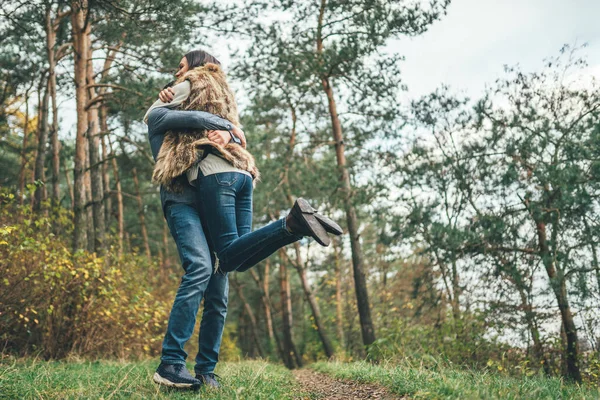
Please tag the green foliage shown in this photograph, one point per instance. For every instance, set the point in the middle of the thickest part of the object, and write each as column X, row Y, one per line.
column 55, row 303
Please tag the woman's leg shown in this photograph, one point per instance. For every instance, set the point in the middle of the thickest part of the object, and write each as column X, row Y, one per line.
column 226, row 200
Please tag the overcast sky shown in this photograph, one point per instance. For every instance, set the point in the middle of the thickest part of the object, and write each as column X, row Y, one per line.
column 470, row 45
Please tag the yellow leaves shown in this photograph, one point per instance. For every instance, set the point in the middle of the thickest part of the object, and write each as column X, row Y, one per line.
column 7, row 230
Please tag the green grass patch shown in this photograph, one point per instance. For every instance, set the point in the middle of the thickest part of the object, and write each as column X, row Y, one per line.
column 449, row 383
column 30, row 378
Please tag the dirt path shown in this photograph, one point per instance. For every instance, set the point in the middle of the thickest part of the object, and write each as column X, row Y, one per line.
column 325, row 387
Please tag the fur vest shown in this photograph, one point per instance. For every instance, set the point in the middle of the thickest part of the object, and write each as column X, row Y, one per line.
column 181, row 150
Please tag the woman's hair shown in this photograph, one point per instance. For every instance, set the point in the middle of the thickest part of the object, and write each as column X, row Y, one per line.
column 197, row 58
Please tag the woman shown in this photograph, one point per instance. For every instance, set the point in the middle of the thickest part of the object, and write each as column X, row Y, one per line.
column 184, row 221
column 199, row 282
column 224, row 178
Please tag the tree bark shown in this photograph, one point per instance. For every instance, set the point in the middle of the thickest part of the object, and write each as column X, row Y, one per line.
column 362, row 295
column 253, row 325
column 338, row 293
column 141, row 215
column 298, row 264
column 22, row 171
column 96, row 176
column 559, row 287
column 119, row 192
column 69, row 186
column 51, row 27
column 105, row 175
column 40, row 159
column 314, row 307
column 80, row 31
column 266, row 301
column 291, row 358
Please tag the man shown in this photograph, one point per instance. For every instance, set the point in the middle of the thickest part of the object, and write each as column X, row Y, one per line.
column 199, row 281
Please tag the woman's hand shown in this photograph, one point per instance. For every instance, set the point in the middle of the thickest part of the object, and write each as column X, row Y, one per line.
column 239, row 134
column 219, row 137
column 167, row 95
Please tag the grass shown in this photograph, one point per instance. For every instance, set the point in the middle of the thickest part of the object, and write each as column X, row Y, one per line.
column 76, row 379
column 30, row 378
column 448, row 383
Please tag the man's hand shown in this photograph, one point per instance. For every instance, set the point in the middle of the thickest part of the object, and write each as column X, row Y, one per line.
column 239, row 134
column 219, row 137
column 167, row 95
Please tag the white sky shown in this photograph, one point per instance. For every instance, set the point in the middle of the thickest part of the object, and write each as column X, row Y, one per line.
column 470, row 45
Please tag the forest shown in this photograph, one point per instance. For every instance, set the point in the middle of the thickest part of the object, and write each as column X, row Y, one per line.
column 471, row 225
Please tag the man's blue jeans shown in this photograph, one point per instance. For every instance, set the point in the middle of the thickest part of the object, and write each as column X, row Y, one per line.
column 198, row 282
column 226, row 205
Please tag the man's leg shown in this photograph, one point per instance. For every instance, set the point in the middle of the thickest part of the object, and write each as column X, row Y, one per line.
column 186, row 228
column 213, row 321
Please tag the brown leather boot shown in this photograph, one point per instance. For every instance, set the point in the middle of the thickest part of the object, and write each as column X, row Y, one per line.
column 302, row 221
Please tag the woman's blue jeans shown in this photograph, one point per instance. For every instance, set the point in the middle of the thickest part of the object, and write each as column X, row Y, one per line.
column 226, row 204
column 198, row 282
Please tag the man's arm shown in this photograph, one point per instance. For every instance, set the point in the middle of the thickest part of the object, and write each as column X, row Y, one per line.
column 162, row 119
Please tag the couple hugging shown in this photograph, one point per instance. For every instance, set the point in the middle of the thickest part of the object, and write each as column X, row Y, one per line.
column 207, row 177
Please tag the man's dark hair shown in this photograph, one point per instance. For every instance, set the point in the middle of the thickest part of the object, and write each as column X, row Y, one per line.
column 197, row 58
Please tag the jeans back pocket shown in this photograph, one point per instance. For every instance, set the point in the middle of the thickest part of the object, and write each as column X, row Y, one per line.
column 226, row 178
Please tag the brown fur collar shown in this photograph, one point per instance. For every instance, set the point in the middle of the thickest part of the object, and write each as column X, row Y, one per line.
column 179, row 151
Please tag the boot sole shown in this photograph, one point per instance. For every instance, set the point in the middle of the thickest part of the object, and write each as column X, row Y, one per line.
column 163, row 381
column 306, row 213
column 329, row 225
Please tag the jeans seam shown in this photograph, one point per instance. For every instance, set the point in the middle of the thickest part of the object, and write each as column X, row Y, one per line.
column 177, row 237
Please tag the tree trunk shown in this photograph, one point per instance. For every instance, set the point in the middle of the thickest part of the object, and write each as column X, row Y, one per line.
column 253, row 325
column 105, row 166
column 40, row 159
column 120, row 217
column 559, row 287
column 266, row 301
column 141, row 215
column 314, row 307
column 96, row 176
column 69, row 186
column 538, row 349
column 360, row 282
column 50, row 44
column 291, row 357
column 338, row 293
column 362, row 295
column 298, row 264
column 22, row 171
column 80, row 31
